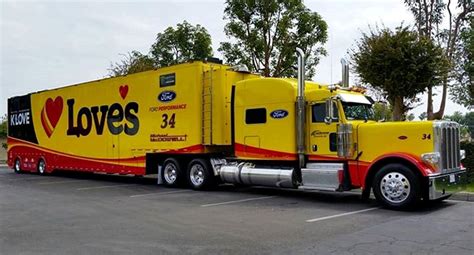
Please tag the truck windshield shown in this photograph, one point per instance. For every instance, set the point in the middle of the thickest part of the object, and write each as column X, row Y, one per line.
column 357, row 111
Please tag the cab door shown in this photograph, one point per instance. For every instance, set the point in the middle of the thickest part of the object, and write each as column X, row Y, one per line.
column 322, row 134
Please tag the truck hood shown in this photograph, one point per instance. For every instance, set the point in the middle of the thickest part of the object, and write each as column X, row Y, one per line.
column 380, row 138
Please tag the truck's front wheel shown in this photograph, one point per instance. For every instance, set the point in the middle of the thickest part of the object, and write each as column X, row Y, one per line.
column 172, row 174
column 396, row 186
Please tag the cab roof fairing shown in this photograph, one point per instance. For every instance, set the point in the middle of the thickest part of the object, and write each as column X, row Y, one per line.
column 353, row 98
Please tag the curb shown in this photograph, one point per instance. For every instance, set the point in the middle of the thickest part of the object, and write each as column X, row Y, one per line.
column 463, row 196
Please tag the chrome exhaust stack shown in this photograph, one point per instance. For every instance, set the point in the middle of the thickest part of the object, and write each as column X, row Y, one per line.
column 345, row 73
column 300, row 109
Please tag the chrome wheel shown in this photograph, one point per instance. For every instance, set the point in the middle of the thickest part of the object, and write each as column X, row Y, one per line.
column 17, row 165
column 200, row 174
column 41, row 166
column 395, row 187
column 170, row 173
column 196, row 175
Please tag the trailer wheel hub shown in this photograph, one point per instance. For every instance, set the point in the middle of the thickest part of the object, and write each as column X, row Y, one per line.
column 170, row 173
column 41, row 167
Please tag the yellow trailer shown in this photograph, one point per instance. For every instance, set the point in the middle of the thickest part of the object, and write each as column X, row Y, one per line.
column 111, row 124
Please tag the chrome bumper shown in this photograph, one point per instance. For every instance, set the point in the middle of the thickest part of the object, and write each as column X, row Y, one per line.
column 444, row 185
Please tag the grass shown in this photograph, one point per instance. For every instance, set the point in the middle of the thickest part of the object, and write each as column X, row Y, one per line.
column 466, row 187
column 470, row 187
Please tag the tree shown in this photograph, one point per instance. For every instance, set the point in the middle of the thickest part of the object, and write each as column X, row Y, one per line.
column 400, row 64
column 133, row 62
column 4, row 129
column 3, row 126
column 466, row 121
column 463, row 89
column 183, row 43
column 429, row 15
column 265, row 33
column 469, row 122
column 457, row 116
column 382, row 112
column 422, row 116
column 173, row 46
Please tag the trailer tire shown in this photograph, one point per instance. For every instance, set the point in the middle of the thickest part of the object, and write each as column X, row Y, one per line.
column 17, row 166
column 41, row 168
column 173, row 173
column 397, row 187
column 200, row 175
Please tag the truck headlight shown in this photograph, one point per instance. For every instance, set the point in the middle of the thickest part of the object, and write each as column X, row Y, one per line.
column 462, row 154
column 432, row 159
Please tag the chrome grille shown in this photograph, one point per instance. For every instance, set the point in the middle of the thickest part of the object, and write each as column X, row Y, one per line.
column 446, row 141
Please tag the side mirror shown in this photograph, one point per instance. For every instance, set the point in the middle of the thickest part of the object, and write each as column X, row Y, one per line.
column 329, row 111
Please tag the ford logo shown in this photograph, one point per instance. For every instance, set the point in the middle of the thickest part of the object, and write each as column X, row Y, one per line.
column 279, row 114
column 166, row 96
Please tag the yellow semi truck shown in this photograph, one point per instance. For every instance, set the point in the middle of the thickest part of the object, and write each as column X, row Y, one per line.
column 205, row 123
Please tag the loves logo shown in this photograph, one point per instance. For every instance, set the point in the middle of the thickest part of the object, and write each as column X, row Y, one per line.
column 116, row 118
column 51, row 113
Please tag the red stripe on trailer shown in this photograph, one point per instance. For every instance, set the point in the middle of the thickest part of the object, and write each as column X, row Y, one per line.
column 59, row 160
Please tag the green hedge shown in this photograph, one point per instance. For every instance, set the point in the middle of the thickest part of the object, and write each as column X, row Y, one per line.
column 468, row 162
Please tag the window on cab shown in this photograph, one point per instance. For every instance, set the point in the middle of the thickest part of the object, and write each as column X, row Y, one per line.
column 357, row 111
column 319, row 113
column 256, row 116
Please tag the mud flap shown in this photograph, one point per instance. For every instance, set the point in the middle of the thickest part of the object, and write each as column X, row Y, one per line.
column 159, row 179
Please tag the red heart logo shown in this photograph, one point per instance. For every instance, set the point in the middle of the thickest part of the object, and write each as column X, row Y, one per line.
column 51, row 113
column 54, row 110
column 123, row 91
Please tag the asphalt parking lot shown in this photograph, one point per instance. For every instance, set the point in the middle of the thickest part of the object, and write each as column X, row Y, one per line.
column 71, row 213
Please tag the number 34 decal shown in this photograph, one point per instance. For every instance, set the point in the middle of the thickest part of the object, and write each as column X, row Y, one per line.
column 426, row 137
column 168, row 121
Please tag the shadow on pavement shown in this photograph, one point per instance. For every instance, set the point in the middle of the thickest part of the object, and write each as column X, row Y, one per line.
column 326, row 198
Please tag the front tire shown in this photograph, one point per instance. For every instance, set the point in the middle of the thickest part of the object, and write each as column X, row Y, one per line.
column 200, row 175
column 396, row 186
column 172, row 173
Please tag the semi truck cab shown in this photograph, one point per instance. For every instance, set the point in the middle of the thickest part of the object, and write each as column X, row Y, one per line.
column 323, row 137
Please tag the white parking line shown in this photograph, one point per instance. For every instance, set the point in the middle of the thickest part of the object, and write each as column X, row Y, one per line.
column 342, row 214
column 105, row 187
column 238, row 201
column 24, row 179
column 59, row 182
column 161, row 193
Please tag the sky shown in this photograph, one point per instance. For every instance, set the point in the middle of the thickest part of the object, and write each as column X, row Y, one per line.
column 50, row 44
